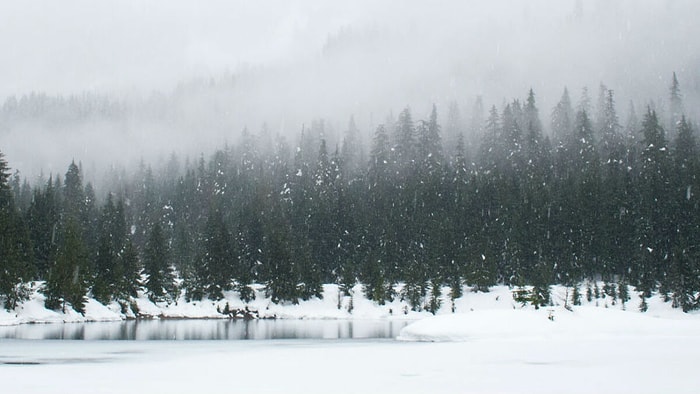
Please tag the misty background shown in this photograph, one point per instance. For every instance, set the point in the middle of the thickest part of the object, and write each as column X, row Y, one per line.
column 112, row 84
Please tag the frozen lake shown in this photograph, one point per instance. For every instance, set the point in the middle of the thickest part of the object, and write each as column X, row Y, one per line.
column 590, row 350
column 214, row 329
column 622, row 363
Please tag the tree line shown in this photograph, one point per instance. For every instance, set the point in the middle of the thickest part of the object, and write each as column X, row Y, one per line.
column 422, row 204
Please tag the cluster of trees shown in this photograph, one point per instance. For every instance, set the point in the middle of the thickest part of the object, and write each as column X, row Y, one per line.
column 510, row 204
column 57, row 109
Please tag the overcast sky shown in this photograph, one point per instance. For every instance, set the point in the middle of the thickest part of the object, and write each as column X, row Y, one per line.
column 75, row 45
column 300, row 60
column 72, row 45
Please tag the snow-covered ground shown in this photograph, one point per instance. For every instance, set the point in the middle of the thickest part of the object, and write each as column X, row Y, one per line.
column 334, row 305
column 492, row 344
column 356, row 307
column 545, row 325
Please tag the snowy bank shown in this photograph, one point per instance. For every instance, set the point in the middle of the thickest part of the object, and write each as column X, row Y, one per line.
column 475, row 314
column 478, row 324
column 583, row 322
column 33, row 311
column 333, row 305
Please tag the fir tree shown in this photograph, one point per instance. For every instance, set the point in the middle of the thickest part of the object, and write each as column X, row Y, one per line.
column 42, row 218
column 562, row 119
column 643, row 306
column 73, row 194
column 653, row 219
column 160, row 281
column 676, row 109
column 67, row 282
column 475, row 129
column 455, row 291
column 682, row 278
column 352, row 152
column 112, row 239
column 623, row 291
column 404, row 142
column 576, row 296
column 216, row 264
column 453, row 129
column 435, row 294
column 15, row 246
column 492, row 150
column 128, row 281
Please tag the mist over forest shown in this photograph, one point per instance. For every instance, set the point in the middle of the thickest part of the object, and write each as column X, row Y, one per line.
column 117, row 87
column 222, row 146
column 521, row 176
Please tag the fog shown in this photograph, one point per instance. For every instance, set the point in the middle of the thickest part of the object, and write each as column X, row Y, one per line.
column 188, row 76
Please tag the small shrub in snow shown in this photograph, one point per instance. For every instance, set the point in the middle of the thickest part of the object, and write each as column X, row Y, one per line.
column 643, row 307
column 536, row 296
column 576, row 296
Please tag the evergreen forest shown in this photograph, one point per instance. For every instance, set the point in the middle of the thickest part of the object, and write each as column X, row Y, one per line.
column 518, row 195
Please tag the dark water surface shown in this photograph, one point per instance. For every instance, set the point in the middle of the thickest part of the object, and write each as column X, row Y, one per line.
column 184, row 329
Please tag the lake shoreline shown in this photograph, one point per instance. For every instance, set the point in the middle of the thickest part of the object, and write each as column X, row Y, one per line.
column 334, row 305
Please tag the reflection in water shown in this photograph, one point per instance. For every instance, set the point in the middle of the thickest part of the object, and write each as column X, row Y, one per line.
column 145, row 330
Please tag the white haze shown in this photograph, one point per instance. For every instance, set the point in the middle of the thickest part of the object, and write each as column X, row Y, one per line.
column 219, row 66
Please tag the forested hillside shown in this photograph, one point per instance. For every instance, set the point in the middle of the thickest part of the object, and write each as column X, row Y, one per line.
column 516, row 195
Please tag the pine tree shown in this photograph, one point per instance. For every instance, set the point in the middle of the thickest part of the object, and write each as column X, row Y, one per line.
column 682, row 278
column 615, row 201
column 653, row 203
column 414, row 289
column 456, row 202
column 90, row 221
column 623, row 291
column 352, row 152
column 430, row 145
column 475, row 129
column 379, row 162
column 128, row 282
column 643, row 306
column 455, row 292
column 111, row 243
column 562, row 119
column 584, row 102
column 42, row 218
column 15, row 246
column 186, row 230
column 160, row 280
column 323, row 236
column 600, row 112
column 74, row 195
column 250, row 233
column 676, row 108
column 216, row 265
column 404, row 143
column 432, row 193
column 589, row 292
column 453, row 129
column 144, row 202
column 492, row 150
column 610, row 291
column 380, row 238
column 513, row 137
column 282, row 273
column 576, row 295
column 435, row 294
column 611, row 143
column 67, row 282
column 586, row 178
column 21, row 191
